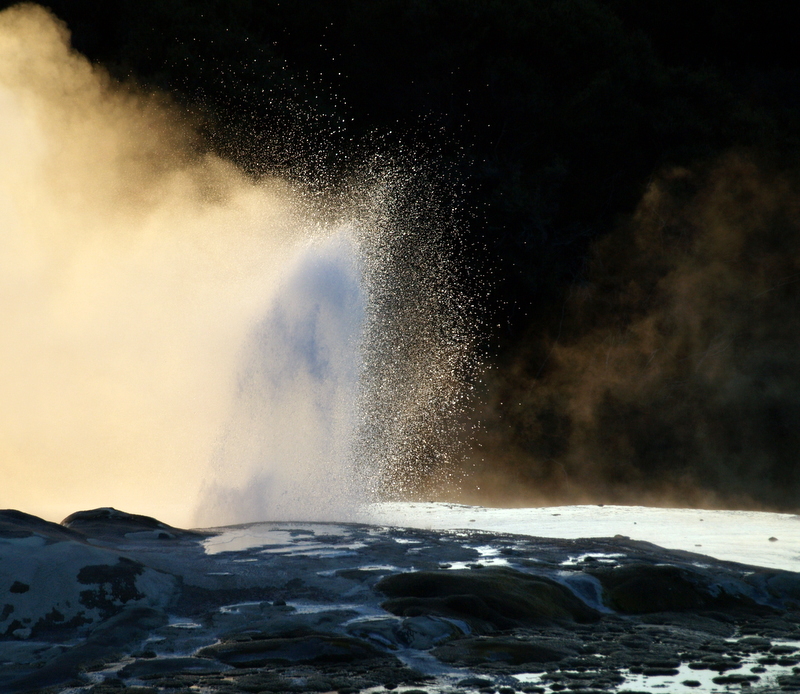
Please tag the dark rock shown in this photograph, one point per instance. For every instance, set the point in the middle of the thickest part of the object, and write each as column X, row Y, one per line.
column 109, row 641
column 783, row 585
column 487, row 600
column 663, row 664
column 735, row 679
column 420, row 633
column 724, row 665
column 16, row 524
column 110, row 524
column 715, row 647
column 182, row 683
column 18, row 587
column 314, row 648
column 499, row 649
column 643, row 588
column 362, row 575
column 706, row 621
column 146, row 668
column 56, row 582
column 474, row 682
column 659, row 672
column 636, row 642
column 115, row 585
column 781, row 649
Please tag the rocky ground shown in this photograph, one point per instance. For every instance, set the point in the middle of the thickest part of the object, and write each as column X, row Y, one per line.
column 111, row 602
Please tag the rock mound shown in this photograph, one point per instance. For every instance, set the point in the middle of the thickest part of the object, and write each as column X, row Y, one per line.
column 53, row 580
column 488, row 600
column 111, row 524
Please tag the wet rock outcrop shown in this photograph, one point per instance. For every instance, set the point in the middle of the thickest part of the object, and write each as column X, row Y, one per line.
column 53, row 580
column 111, row 601
column 487, row 600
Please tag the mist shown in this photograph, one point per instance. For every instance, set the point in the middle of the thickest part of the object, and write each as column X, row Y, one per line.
column 673, row 375
column 187, row 342
column 132, row 268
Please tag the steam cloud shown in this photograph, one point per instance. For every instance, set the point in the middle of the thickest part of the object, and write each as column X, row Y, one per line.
column 132, row 268
column 181, row 341
column 153, row 297
column 676, row 376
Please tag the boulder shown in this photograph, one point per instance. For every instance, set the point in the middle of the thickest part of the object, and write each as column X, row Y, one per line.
column 109, row 524
column 640, row 588
column 421, row 633
column 306, row 648
column 509, row 650
column 487, row 600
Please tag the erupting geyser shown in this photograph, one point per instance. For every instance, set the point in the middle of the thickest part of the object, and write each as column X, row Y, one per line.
column 183, row 342
column 301, row 375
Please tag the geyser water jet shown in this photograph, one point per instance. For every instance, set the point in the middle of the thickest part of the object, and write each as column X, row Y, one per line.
column 288, row 448
column 182, row 342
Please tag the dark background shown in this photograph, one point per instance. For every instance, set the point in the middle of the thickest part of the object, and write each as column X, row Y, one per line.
column 623, row 178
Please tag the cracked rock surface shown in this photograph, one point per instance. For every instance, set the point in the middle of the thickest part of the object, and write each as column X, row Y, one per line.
column 109, row 601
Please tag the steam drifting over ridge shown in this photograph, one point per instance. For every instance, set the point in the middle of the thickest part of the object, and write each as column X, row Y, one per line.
column 674, row 377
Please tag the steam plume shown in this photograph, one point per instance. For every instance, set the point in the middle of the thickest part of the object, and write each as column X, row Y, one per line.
column 676, row 375
column 175, row 334
column 132, row 266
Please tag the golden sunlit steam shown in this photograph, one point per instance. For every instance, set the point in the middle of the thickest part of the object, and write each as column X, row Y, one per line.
column 674, row 378
column 131, row 269
column 183, row 342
